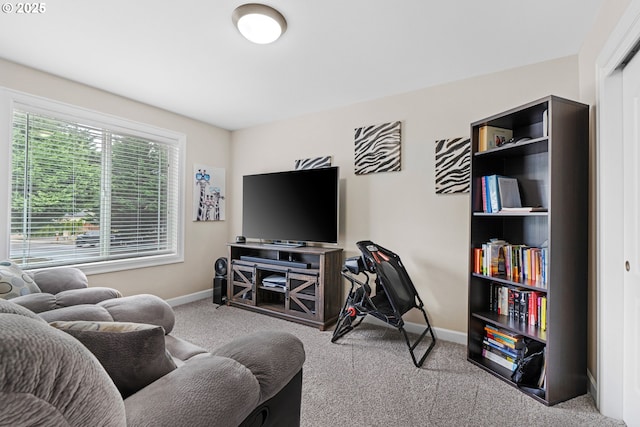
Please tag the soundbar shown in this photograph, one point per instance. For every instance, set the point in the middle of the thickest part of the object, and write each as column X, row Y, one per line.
column 293, row 264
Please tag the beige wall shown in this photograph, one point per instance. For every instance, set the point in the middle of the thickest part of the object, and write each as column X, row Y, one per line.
column 401, row 210
column 204, row 242
column 606, row 21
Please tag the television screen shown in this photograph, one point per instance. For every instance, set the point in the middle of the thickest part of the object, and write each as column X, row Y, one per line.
column 293, row 206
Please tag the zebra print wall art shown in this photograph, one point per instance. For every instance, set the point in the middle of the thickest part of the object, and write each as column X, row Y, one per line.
column 208, row 193
column 453, row 165
column 313, row 163
column 377, row 148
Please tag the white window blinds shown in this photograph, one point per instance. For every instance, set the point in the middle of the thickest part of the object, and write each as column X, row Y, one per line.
column 86, row 193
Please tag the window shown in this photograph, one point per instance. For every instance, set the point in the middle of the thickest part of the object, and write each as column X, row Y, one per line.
column 93, row 190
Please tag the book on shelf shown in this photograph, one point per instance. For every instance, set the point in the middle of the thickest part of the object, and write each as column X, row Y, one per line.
column 519, row 263
column 494, row 193
column 501, row 350
column 490, row 137
column 493, row 258
column 491, row 200
column 477, row 260
column 486, row 197
column 500, row 193
column 543, row 313
column 503, row 333
column 526, row 307
column 508, row 192
column 487, row 354
column 502, row 347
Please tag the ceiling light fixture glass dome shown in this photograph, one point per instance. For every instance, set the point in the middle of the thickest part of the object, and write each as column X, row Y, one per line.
column 259, row 23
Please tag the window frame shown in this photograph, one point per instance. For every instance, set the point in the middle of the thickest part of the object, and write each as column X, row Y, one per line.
column 10, row 99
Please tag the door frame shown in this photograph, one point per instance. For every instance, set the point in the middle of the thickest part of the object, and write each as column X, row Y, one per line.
column 610, row 215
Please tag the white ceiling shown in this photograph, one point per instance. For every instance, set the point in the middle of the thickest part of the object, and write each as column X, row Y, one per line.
column 186, row 56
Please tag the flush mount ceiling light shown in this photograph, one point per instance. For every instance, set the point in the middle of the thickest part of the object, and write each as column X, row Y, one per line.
column 259, row 23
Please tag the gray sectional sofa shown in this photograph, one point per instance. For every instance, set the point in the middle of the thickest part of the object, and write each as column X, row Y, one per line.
column 115, row 363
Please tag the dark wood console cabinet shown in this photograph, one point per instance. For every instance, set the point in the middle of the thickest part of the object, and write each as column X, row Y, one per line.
column 310, row 289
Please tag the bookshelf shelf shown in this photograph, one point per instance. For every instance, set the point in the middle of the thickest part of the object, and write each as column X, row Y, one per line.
column 510, row 214
column 505, row 322
column 551, row 168
column 532, row 146
column 496, row 369
column 499, row 372
column 503, row 280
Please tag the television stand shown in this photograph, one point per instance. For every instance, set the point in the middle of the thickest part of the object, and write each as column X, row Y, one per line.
column 312, row 285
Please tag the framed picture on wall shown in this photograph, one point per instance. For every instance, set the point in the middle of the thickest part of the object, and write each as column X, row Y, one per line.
column 208, row 193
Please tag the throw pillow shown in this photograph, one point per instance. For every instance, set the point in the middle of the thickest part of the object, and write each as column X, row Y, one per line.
column 14, row 282
column 133, row 354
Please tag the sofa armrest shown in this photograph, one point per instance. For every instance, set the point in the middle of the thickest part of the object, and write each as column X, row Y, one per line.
column 208, row 390
column 273, row 357
column 181, row 350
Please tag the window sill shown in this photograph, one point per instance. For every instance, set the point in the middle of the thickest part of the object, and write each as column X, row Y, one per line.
column 113, row 266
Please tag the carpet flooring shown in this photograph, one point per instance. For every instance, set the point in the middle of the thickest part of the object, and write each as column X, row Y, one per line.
column 367, row 378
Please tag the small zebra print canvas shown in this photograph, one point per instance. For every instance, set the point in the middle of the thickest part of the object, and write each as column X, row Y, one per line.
column 453, row 165
column 377, row 148
column 313, row 163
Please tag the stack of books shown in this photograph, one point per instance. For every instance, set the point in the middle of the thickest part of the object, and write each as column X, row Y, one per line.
column 500, row 194
column 502, row 347
column 521, row 305
column 519, row 263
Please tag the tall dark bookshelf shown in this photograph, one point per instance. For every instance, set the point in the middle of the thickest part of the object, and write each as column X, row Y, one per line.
column 551, row 167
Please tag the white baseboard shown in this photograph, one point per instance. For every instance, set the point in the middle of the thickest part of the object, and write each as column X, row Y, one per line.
column 440, row 333
column 451, row 336
column 185, row 299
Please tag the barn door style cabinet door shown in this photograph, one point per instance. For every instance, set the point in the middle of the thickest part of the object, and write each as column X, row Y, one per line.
column 528, row 247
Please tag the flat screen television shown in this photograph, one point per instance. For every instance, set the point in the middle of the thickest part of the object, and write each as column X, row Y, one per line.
column 291, row 207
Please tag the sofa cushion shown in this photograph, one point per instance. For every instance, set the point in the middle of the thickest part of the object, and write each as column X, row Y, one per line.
column 133, row 354
column 54, row 280
column 89, row 312
column 37, row 302
column 43, row 302
column 14, row 282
